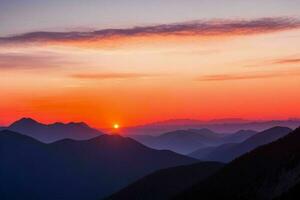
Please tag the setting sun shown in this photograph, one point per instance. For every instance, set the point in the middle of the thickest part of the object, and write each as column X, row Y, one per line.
column 116, row 126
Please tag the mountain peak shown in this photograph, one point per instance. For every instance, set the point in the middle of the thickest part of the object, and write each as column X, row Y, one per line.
column 24, row 121
column 53, row 132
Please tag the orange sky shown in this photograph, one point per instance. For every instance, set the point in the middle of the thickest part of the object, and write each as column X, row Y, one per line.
column 149, row 77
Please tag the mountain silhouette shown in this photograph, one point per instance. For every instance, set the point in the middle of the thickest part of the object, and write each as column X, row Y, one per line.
column 239, row 136
column 187, row 141
column 181, row 141
column 292, row 194
column 55, row 131
column 268, row 172
column 69, row 169
column 228, row 152
column 166, row 183
column 220, row 126
column 212, row 152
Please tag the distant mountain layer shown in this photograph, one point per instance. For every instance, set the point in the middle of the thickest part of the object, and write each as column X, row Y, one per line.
column 166, row 183
column 53, row 132
column 268, row 172
column 221, row 126
column 230, row 151
column 76, row 170
column 187, row 141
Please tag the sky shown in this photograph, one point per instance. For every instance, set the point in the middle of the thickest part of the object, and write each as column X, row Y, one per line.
column 135, row 62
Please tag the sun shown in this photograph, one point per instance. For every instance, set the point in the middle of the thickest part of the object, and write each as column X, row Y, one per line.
column 116, row 126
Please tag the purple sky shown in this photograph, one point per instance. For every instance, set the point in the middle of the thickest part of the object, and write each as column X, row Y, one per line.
column 52, row 15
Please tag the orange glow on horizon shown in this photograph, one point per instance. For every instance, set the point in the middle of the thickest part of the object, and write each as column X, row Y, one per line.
column 253, row 77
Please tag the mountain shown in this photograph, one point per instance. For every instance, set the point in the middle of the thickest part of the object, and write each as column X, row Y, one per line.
column 221, row 126
column 292, row 194
column 181, row 141
column 69, row 169
column 239, row 136
column 186, row 141
column 166, row 183
column 230, row 151
column 268, row 172
column 53, row 132
column 212, row 152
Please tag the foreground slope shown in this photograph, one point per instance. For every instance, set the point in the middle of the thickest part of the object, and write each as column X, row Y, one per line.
column 70, row 169
column 265, row 173
column 166, row 183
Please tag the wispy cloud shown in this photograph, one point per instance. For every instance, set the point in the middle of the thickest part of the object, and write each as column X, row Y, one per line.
column 287, row 61
column 30, row 61
column 194, row 28
column 248, row 76
column 104, row 76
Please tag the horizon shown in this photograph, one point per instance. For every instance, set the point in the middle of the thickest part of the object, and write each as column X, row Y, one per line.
column 120, row 126
column 122, row 63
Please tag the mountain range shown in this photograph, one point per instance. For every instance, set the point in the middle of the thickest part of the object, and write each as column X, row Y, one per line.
column 187, row 141
column 53, row 132
column 220, row 126
column 268, row 172
column 230, row 151
column 69, row 169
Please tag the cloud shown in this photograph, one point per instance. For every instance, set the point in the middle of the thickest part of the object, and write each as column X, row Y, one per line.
column 248, row 76
column 30, row 61
column 287, row 61
column 291, row 60
column 104, row 76
column 193, row 28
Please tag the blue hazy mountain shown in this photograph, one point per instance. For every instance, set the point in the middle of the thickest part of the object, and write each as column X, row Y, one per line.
column 219, row 126
column 187, row 141
column 230, row 151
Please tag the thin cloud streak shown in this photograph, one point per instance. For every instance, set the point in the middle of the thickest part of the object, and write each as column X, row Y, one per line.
column 288, row 61
column 291, row 60
column 10, row 61
column 248, row 76
column 194, row 28
column 106, row 76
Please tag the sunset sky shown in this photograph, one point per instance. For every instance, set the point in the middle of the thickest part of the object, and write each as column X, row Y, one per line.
column 138, row 61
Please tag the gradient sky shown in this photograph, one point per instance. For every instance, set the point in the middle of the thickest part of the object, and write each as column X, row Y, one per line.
column 134, row 62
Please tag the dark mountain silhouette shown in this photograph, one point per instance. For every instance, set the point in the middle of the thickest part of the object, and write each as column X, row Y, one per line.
column 220, row 126
column 166, row 183
column 230, row 151
column 53, row 132
column 186, row 141
column 265, row 173
column 292, row 194
column 77, row 170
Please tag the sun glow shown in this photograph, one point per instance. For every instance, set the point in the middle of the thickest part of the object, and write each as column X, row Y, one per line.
column 116, row 126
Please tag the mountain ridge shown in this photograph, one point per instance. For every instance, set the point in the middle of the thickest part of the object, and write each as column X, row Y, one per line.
column 228, row 152
column 52, row 132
